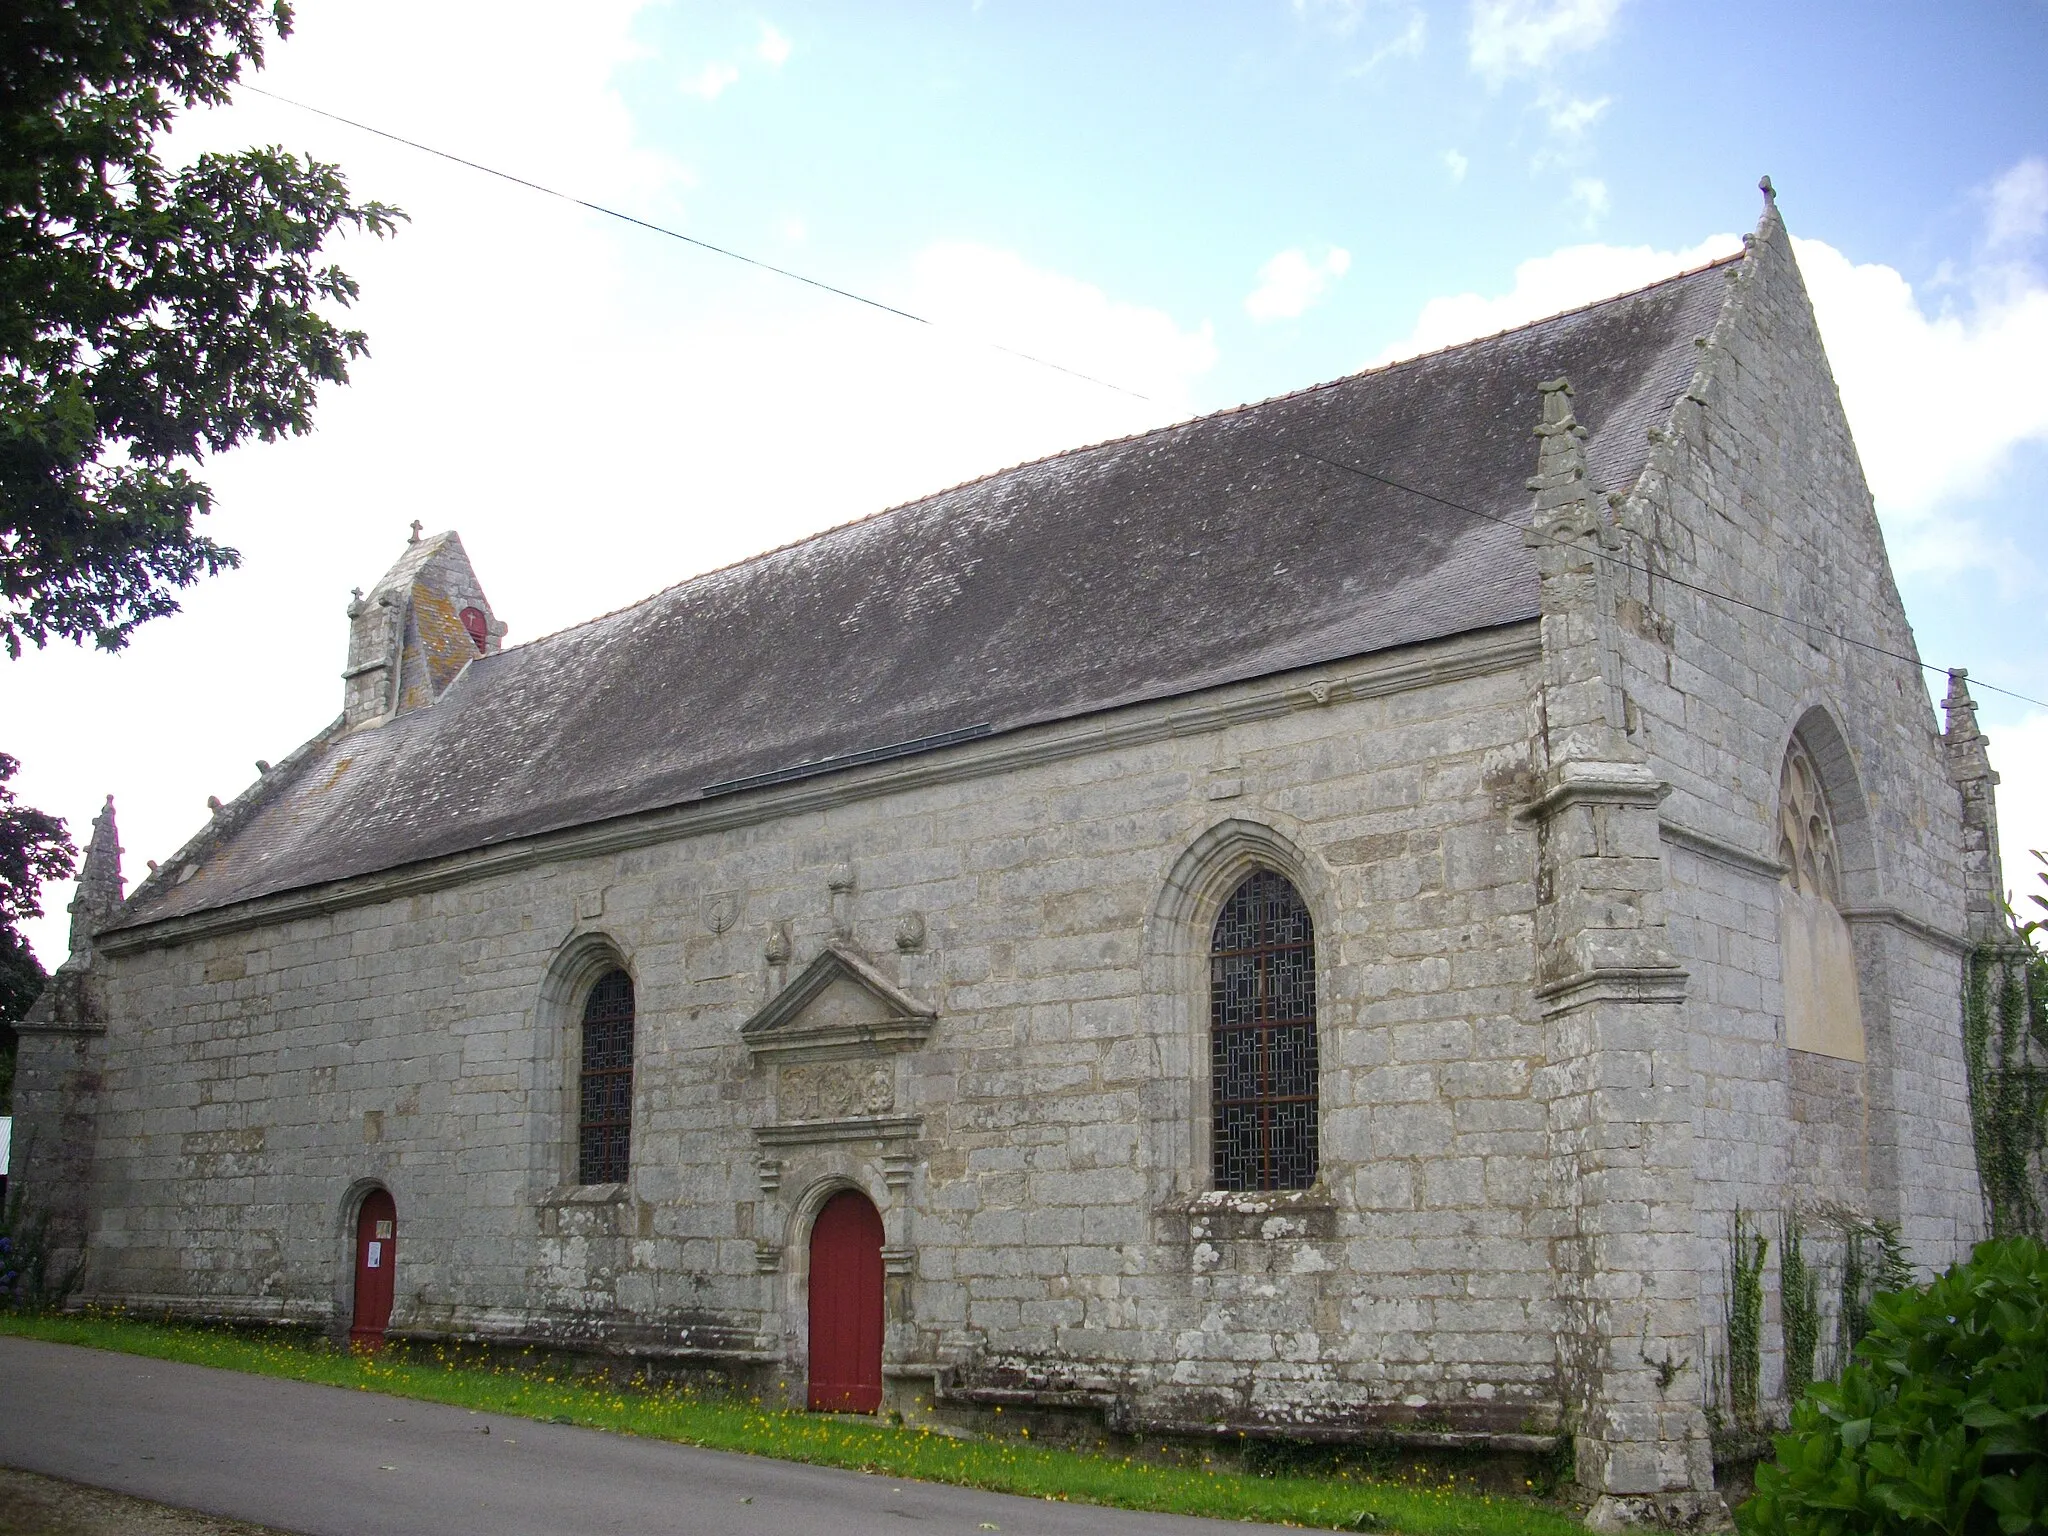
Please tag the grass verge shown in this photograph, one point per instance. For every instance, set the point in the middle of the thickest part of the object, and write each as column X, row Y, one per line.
column 727, row 1423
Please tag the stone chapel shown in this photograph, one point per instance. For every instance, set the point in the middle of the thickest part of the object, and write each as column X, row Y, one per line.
column 1304, row 922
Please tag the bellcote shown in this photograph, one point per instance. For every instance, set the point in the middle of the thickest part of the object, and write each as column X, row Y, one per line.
column 410, row 637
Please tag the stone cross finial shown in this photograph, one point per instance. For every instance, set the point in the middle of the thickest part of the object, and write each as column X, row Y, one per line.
column 415, row 532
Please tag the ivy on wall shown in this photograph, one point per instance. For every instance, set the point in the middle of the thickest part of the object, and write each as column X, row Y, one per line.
column 1850, row 1260
column 1798, row 1305
column 1744, row 1319
column 2005, row 1045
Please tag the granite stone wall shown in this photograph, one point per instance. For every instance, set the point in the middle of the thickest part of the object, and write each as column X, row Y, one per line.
column 1040, row 1159
column 1542, row 866
column 1756, row 491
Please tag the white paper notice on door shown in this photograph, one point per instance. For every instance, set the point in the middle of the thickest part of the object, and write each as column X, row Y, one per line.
column 376, row 1255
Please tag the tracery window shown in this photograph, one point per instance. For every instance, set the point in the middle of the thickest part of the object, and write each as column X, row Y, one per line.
column 1816, row 953
column 1262, row 1038
column 605, row 1118
column 1806, row 835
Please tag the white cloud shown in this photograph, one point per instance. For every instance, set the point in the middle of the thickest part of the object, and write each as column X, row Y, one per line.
column 1525, row 37
column 1570, row 116
column 597, row 411
column 989, row 295
column 1339, row 16
column 2020, row 754
column 1290, row 282
column 774, row 47
column 1546, row 285
column 1408, row 43
column 710, row 82
column 1938, row 400
column 2019, row 206
column 1456, row 164
column 1345, row 19
column 1589, row 194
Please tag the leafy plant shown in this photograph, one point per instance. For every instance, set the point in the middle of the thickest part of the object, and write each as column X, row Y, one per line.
column 149, row 316
column 2005, row 1046
column 1747, row 1249
column 1938, row 1425
column 1798, row 1306
column 1873, row 1261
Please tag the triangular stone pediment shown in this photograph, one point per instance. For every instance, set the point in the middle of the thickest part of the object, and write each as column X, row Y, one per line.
column 839, row 1005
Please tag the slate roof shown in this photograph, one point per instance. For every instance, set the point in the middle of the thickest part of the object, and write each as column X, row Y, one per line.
column 1201, row 554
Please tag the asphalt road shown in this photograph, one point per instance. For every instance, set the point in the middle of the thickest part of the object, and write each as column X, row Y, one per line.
column 323, row 1461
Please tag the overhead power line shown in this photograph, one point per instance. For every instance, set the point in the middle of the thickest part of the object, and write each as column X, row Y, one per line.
column 1075, row 373
column 703, row 245
column 1665, row 576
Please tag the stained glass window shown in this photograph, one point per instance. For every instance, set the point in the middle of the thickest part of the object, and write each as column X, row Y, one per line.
column 1262, row 1038
column 605, row 1120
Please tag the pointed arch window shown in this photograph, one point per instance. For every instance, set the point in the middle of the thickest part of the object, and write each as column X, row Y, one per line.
column 1262, row 1038
column 1816, row 954
column 605, row 1097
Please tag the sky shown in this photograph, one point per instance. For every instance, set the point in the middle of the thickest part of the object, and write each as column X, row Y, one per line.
column 1182, row 205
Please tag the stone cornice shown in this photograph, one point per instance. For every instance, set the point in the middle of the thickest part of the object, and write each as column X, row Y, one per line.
column 33, row 1026
column 1421, row 666
column 1720, row 851
column 1770, row 869
column 1614, row 984
column 1892, row 917
column 1584, row 783
column 804, row 1133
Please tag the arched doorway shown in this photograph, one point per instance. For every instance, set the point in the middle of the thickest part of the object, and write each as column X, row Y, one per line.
column 376, row 1266
column 846, row 1306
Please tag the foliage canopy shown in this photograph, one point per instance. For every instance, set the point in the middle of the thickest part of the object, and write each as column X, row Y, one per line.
column 34, row 847
column 148, row 316
column 1939, row 1425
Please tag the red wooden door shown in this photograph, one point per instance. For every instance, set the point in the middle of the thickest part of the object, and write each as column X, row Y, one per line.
column 376, row 1263
column 846, row 1306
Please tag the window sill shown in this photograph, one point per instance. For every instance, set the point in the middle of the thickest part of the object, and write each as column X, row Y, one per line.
column 1252, row 1202
column 1236, row 1215
column 585, row 1195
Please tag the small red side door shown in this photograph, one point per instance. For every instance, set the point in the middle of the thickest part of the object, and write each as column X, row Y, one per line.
column 846, row 1306
column 376, row 1263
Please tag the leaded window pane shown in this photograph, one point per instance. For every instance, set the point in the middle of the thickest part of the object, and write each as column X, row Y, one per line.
column 1262, row 1053
column 605, row 1110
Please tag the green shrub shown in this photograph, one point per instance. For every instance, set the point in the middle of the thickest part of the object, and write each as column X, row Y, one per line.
column 1939, row 1424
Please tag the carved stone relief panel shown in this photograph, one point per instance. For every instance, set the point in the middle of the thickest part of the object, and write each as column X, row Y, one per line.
column 834, row 1090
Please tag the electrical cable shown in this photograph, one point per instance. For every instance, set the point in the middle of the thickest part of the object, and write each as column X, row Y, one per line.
column 703, row 245
column 1676, row 581
column 1042, row 362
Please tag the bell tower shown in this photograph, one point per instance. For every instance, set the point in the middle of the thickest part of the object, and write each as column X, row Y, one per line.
column 414, row 632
